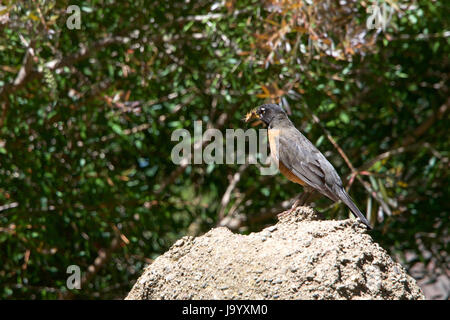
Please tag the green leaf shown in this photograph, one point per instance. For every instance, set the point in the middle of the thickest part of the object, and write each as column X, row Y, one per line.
column 344, row 117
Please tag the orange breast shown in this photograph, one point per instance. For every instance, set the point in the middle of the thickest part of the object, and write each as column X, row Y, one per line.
column 272, row 135
column 288, row 174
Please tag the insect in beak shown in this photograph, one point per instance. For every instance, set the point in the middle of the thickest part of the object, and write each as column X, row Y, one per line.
column 252, row 115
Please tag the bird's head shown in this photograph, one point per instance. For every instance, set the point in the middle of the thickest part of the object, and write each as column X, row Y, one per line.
column 265, row 113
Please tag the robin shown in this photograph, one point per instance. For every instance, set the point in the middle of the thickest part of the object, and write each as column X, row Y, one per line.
column 299, row 160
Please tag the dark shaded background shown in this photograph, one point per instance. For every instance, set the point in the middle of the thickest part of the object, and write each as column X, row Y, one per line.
column 86, row 118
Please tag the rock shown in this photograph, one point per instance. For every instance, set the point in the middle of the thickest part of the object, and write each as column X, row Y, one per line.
column 304, row 258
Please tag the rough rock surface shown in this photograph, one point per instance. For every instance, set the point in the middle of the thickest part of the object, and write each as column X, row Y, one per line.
column 300, row 257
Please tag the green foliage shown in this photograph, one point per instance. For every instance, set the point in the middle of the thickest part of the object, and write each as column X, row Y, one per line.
column 86, row 118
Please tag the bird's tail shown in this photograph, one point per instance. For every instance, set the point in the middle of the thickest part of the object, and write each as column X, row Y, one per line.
column 343, row 195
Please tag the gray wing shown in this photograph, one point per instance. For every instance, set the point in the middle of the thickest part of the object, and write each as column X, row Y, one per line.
column 303, row 159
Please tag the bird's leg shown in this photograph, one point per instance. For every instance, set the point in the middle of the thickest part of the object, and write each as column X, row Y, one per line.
column 300, row 200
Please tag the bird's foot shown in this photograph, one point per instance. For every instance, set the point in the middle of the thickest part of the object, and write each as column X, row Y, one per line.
column 284, row 214
column 296, row 204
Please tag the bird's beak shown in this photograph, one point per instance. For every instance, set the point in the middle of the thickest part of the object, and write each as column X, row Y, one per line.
column 252, row 115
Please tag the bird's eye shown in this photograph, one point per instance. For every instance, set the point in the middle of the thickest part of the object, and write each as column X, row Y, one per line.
column 263, row 110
